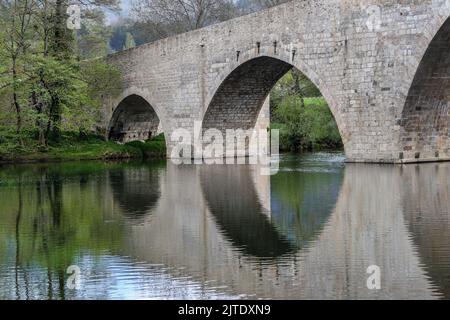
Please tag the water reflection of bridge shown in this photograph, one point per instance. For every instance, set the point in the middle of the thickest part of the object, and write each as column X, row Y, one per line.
column 204, row 226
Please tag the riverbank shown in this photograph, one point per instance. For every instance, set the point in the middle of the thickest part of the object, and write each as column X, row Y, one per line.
column 73, row 146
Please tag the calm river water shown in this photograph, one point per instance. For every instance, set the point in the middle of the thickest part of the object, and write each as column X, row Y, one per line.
column 156, row 230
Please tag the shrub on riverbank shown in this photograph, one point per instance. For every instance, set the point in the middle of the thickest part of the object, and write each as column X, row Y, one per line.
column 154, row 148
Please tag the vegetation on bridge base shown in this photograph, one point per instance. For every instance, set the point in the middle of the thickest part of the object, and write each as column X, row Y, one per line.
column 154, row 148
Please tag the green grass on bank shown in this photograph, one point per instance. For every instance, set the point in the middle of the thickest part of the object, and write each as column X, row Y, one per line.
column 73, row 146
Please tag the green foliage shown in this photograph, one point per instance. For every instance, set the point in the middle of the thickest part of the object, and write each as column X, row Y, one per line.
column 71, row 146
column 293, row 83
column 306, row 127
column 152, row 148
column 291, row 113
column 101, row 78
column 302, row 115
column 63, row 81
column 324, row 132
column 49, row 81
column 93, row 37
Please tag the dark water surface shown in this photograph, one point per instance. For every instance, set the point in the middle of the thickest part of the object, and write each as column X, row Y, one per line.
column 156, row 230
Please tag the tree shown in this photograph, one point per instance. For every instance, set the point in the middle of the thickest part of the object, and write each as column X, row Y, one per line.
column 294, row 83
column 169, row 17
column 62, row 49
column 16, row 22
column 43, row 73
column 301, row 114
column 292, row 114
column 92, row 39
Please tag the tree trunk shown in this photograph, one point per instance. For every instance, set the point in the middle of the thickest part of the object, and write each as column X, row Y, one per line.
column 16, row 101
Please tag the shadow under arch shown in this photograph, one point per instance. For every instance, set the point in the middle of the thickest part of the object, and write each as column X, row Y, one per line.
column 133, row 119
column 233, row 201
column 238, row 100
column 137, row 189
column 425, row 118
column 243, row 87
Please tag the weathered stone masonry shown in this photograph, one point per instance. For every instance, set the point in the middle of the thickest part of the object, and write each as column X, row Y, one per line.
column 383, row 67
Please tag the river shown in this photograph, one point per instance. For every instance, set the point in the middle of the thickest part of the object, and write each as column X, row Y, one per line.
column 155, row 230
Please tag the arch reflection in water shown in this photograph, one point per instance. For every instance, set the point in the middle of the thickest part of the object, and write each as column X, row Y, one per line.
column 233, row 201
column 393, row 217
column 426, row 203
column 136, row 188
column 366, row 227
column 304, row 194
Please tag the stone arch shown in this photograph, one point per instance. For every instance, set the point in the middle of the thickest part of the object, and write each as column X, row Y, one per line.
column 133, row 119
column 284, row 53
column 240, row 89
column 425, row 118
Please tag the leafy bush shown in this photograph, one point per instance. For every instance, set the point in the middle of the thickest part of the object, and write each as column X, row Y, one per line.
column 306, row 124
column 71, row 146
column 302, row 115
column 152, row 148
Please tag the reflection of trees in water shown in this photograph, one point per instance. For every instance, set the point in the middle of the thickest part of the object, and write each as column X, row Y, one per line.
column 137, row 189
column 45, row 232
column 302, row 202
column 426, row 203
column 52, row 214
column 230, row 194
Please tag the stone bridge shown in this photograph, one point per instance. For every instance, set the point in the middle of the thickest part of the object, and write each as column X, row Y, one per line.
column 383, row 66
